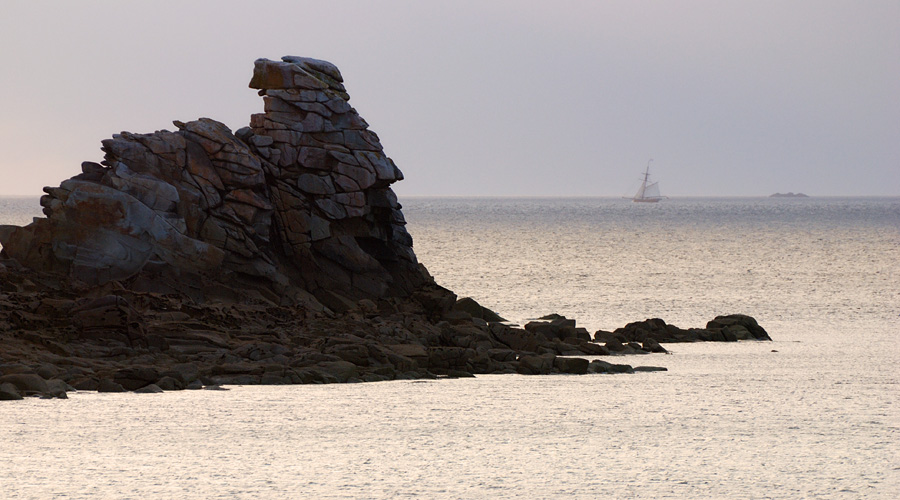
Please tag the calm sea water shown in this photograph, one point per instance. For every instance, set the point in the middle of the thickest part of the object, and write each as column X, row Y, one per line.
column 819, row 418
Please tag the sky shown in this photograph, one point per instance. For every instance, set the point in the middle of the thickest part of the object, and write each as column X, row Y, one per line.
column 486, row 98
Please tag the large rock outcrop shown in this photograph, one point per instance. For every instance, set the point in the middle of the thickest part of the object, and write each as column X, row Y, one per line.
column 276, row 254
column 298, row 203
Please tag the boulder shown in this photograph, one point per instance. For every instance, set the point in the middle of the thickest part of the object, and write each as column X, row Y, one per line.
column 149, row 389
column 27, row 384
column 555, row 326
column 536, row 364
column 517, row 339
column 740, row 326
column 339, row 371
column 604, row 336
column 436, row 300
column 136, row 377
column 448, row 357
column 185, row 372
column 107, row 385
column 651, row 345
column 600, row 366
column 9, row 392
column 542, row 328
column 614, row 346
column 577, row 366
column 57, row 388
column 48, row 371
column 167, row 383
column 476, row 310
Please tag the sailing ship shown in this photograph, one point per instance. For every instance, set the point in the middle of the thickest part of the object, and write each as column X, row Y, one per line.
column 649, row 191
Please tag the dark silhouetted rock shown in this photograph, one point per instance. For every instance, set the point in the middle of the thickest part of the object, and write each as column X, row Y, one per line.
column 600, row 366
column 9, row 392
column 476, row 310
column 536, row 364
column 134, row 378
column 107, row 385
column 300, row 203
column 274, row 254
column 721, row 329
column 651, row 345
column 743, row 327
column 554, row 326
column 57, row 388
column 27, row 384
column 149, row 389
column 577, row 366
column 170, row 384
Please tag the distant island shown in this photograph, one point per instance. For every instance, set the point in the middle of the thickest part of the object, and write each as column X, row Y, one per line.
column 788, row 195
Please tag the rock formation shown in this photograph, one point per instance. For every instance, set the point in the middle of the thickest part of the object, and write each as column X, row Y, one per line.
column 298, row 203
column 276, row 254
column 651, row 332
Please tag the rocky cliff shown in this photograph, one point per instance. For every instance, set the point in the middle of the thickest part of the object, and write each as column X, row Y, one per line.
column 276, row 254
column 296, row 209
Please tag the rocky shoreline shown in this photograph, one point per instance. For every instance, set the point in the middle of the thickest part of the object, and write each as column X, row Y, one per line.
column 276, row 254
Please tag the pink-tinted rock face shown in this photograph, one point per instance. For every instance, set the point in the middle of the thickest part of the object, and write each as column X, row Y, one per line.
column 298, row 203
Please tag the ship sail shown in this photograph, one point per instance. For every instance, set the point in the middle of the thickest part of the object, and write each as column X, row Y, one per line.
column 652, row 191
column 649, row 191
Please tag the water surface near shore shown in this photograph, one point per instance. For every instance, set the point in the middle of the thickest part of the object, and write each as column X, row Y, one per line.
column 608, row 261
column 727, row 421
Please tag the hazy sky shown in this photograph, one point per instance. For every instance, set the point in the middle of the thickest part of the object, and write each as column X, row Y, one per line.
column 546, row 98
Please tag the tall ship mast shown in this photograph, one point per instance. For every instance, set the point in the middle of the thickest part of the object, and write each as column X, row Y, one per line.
column 649, row 191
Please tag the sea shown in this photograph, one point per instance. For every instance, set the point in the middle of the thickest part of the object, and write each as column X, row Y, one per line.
column 813, row 414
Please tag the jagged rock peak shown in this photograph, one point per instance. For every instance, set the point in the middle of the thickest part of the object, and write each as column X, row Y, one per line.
column 294, row 72
column 296, row 205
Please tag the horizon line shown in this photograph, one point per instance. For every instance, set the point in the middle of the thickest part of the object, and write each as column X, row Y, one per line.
column 676, row 196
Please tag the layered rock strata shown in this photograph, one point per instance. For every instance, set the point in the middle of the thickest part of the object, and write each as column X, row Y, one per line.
column 276, row 254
